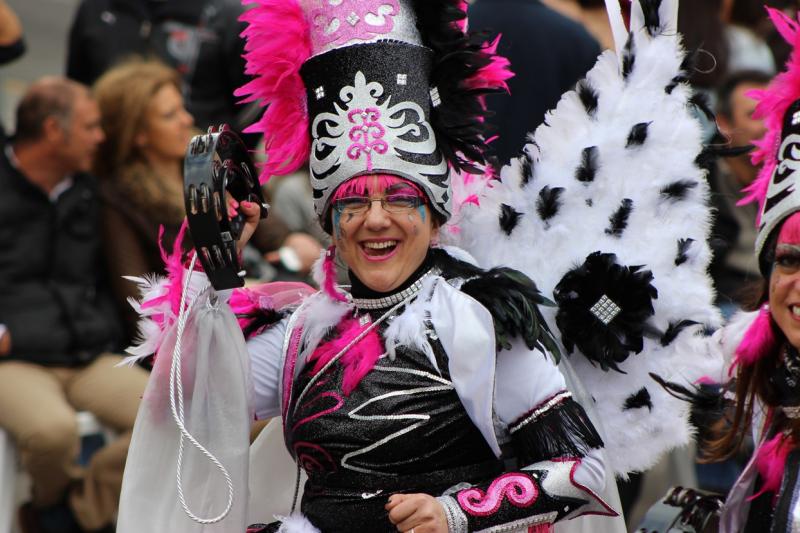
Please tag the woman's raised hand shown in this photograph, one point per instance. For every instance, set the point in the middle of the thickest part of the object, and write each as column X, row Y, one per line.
column 252, row 214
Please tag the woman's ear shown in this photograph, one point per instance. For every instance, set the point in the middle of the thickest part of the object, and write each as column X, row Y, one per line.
column 140, row 140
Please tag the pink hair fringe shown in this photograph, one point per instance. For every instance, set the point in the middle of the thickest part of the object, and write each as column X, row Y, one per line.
column 771, row 460
column 358, row 361
column 772, row 105
column 372, row 184
column 329, row 273
column 278, row 42
column 758, row 340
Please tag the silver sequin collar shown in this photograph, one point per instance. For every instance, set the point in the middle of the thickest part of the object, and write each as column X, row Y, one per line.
column 396, row 298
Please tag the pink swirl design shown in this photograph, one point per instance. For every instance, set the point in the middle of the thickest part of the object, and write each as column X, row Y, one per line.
column 338, row 403
column 347, row 20
column 367, row 134
column 313, row 458
column 519, row 489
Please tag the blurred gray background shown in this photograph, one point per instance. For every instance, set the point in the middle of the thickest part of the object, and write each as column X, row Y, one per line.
column 45, row 23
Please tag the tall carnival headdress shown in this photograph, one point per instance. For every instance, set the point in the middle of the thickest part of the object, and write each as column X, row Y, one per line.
column 778, row 152
column 369, row 86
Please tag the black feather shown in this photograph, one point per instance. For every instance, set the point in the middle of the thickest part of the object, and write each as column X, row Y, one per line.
column 628, row 57
column 510, row 296
column 619, row 220
column 460, row 121
column 687, row 68
column 651, row 19
column 588, row 96
column 700, row 101
column 638, row 400
column 677, row 190
column 588, row 168
column 708, row 156
column 527, row 168
column 549, row 202
column 708, row 403
column 509, row 218
column 683, row 251
column 605, row 341
column 674, row 329
column 638, row 135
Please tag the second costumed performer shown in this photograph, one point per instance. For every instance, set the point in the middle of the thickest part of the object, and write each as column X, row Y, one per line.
column 425, row 397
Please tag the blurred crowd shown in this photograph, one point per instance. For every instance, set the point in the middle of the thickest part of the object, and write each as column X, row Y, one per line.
column 92, row 180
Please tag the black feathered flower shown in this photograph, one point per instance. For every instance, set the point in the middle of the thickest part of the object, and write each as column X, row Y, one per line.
column 603, row 307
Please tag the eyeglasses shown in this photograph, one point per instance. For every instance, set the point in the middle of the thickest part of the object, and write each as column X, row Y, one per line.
column 392, row 203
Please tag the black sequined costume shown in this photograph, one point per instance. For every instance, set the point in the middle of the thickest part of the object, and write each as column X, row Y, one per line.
column 404, row 428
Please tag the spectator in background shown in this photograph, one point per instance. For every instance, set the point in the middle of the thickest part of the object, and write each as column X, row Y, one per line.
column 549, row 53
column 140, row 164
column 199, row 38
column 12, row 45
column 748, row 49
column 57, row 322
column 734, row 231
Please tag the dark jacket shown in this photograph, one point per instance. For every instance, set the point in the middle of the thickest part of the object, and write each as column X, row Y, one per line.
column 200, row 38
column 51, row 298
column 549, row 53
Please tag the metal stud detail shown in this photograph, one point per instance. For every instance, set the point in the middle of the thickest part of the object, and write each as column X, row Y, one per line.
column 436, row 99
column 605, row 310
column 402, row 79
column 319, row 92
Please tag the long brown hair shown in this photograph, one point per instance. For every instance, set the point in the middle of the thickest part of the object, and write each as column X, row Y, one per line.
column 123, row 94
column 752, row 386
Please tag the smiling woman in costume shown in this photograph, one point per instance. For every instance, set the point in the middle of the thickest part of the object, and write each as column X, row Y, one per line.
column 766, row 364
column 406, row 395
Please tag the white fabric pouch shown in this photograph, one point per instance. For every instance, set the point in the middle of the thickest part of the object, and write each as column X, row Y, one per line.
column 216, row 391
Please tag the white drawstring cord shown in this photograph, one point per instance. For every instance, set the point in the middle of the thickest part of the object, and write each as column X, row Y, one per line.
column 177, row 413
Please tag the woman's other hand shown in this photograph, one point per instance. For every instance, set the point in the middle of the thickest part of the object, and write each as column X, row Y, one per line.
column 418, row 513
column 252, row 214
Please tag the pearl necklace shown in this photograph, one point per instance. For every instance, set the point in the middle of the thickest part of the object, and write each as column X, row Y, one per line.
column 393, row 299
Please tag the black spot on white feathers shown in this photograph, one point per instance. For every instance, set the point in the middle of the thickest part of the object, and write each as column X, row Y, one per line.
column 639, row 400
column 651, row 19
column 509, row 218
column 683, row 251
column 677, row 190
column 588, row 97
column 637, row 135
column 674, row 330
column 628, row 57
column 527, row 168
column 549, row 202
column 585, row 173
column 619, row 220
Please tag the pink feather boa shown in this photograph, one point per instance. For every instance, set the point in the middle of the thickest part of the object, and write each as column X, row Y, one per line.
column 278, row 42
column 358, row 361
column 770, row 461
column 772, row 105
column 758, row 341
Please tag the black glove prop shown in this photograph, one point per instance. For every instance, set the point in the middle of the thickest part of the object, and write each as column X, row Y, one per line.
column 217, row 164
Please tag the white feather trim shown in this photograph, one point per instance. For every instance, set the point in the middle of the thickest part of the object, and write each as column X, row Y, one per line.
column 408, row 329
column 318, row 270
column 296, row 523
column 151, row 333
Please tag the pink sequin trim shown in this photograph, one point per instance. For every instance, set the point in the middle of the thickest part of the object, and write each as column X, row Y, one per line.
column 367, row 134
column 519, row 489
column 341, row 21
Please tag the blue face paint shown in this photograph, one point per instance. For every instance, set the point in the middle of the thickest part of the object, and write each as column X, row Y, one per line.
column 337, row 229
column 421, row 210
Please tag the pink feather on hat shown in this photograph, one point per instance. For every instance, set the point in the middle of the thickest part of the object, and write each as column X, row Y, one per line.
column 278, row 42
